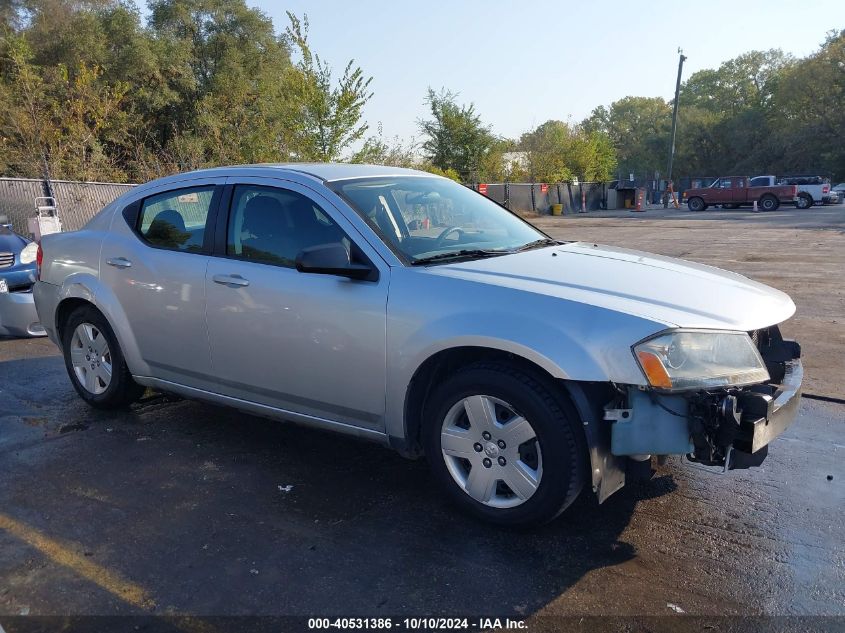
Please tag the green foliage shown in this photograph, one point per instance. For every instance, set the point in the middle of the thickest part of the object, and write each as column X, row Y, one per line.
column 61, row 118
column 807, row 111
column 639, row 128
column 434, row 169
column 761, row 112
column 454, row 138
column 559, row 152
column 493, row 165
column 330, row 117
column 394, row 152
column 90, row 91
column 94, row 93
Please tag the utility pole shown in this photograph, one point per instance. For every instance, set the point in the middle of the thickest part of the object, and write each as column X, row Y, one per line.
column 674, row 128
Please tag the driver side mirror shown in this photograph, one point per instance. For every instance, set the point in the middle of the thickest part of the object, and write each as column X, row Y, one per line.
column 333, row 259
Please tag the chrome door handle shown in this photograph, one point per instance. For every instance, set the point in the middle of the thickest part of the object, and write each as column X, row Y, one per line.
column 119, row 262
column 233, row 281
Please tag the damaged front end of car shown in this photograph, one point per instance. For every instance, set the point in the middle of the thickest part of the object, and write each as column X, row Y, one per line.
column 719, row 398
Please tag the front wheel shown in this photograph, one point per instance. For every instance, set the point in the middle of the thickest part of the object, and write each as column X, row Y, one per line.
column 696, row 204
column 503, row 445
column 95, row 361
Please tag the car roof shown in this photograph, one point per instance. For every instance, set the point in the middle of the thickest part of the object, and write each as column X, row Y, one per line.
column 327, row 172
column 342, row 171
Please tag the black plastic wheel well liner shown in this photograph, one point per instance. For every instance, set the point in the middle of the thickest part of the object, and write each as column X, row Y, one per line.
column 65, row 308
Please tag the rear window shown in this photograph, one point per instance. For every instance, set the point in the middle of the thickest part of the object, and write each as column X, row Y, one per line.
column 176, row 220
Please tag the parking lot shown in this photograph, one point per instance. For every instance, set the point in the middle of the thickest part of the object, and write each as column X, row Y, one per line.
column 177, row 507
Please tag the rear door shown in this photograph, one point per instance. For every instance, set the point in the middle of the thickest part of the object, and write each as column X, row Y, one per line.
column 309, row 343
column 155, row 262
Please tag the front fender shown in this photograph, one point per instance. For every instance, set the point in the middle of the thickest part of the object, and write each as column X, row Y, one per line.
column 89, row 288
column 569, row 340
column 529, row 338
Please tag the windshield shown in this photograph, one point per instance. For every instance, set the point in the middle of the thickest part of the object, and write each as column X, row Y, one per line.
column 425, row 219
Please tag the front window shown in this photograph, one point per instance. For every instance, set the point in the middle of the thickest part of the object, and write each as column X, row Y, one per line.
column 433, row 219
column 271, row 225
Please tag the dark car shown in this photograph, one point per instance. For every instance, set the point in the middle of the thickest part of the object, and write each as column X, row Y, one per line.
column 17, row 275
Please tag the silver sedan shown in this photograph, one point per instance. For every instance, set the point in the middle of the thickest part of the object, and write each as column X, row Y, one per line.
column 404, row 308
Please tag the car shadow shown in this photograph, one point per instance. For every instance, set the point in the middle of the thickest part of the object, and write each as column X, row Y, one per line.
column 215, row 512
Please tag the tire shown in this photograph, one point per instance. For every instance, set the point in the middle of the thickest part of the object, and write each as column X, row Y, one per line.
column 547, row 471
column 696, row 204
column 769, row 203
column 805, row 201
column 90, row 348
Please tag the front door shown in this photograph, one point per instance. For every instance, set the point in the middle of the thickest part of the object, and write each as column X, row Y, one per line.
column 155, row 261
column 309, row 343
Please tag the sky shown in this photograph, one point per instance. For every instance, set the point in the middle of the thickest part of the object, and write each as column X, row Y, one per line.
column 524, row 62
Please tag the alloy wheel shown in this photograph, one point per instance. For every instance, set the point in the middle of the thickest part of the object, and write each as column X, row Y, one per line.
column 91, row 358
column 491, row 451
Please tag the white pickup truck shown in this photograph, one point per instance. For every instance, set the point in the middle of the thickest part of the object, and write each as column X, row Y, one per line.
column 811, row 189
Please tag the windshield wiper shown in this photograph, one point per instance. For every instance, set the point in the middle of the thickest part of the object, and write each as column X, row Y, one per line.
column 457, row 255
column 546, row 241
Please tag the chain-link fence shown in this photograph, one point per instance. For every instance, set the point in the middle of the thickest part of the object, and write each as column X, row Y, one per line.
column 77, row 202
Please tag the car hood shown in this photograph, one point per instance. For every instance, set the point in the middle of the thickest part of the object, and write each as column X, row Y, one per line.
column 11, row 243
column 670, row 291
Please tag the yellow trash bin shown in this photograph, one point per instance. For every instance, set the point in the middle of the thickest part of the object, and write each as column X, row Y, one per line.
column 557, row 209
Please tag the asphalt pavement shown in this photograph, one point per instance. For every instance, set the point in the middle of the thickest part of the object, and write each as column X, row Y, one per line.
column 177, row 507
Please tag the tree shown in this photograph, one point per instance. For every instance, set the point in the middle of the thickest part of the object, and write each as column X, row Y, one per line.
column 454, row 138
column 559, row 152
column 330, row 117
column 639, row 128
column 204, row 46
column 732, row 107
column 746, row 82
column 447, row 173
column 808, row 118
column 59, row 119
column 394, row 152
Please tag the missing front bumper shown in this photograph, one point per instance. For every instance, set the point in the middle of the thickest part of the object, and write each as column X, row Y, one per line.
column 759, row 426
column 729, row 428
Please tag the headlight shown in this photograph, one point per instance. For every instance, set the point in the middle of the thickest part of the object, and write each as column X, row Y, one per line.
column 29, row 252
column 683, row 360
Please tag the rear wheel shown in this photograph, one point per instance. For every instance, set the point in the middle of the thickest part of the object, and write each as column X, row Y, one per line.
column 95, row 362
column 769, row 203
column 503, row 445
column 805, row 201
column 696, row 204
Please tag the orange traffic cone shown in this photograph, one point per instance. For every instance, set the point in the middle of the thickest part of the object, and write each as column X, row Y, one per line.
column 639, row 201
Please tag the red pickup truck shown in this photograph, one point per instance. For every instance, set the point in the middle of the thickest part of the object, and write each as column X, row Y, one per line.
column 733, row 191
